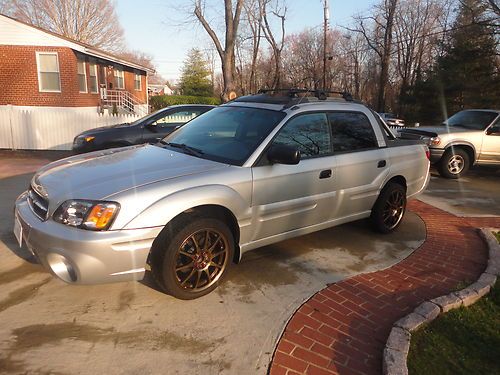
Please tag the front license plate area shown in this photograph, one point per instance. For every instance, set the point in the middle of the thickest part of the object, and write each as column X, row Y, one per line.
column 18, row 231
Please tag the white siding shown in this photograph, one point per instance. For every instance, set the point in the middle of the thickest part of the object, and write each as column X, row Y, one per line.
column 17, row 34
column 49, row 128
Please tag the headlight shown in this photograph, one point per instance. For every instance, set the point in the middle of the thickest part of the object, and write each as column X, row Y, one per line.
column 81, row 139
column 87, row 214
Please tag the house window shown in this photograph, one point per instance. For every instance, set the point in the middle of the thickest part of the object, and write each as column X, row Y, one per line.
column 119, row 81
column 93, row 80
column 48, row 72
column 82, row 76
column 137, row 82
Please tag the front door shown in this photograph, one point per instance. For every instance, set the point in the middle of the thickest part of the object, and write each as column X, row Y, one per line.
column 490, row 150
column 288, row 197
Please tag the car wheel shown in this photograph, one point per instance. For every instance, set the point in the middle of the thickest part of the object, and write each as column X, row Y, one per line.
column 454, row 163
column 192, row 257
column 389, row 209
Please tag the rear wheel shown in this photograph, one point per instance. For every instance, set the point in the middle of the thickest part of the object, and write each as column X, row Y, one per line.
column 389, row 209
column 454, row 163
column 192, row 257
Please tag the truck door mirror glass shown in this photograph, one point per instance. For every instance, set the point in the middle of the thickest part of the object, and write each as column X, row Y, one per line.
column 493, row 130
column 283, row 154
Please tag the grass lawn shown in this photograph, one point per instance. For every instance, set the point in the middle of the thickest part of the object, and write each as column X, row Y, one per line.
column 462, row 341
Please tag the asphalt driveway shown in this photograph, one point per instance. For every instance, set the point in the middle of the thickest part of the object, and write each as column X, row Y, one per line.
column 51, row 327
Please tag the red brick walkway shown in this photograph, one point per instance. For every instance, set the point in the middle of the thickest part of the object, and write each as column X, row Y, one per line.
column 343, row 328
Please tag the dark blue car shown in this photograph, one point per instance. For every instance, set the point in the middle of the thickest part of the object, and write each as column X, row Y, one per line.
column 149, row 129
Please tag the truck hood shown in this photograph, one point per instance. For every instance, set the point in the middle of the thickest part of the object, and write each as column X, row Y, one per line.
column 100, row 174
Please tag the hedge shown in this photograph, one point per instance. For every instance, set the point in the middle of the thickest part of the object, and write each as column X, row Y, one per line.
column 162, row 101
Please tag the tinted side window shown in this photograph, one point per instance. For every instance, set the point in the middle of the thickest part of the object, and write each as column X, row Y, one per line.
column 351, row 132
column 178, row 117
column 308, row 133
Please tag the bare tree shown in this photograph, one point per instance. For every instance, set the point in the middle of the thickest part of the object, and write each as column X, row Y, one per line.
column 416, row 24
column 379, row 40
column 254, row 21
column 226, row 53
column 354, row 54
column 88, row 21
column 279, row 10
column 302, row 59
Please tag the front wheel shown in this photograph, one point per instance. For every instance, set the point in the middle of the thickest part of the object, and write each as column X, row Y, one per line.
column 389, row 209
column 193, row 257
column 454, row 163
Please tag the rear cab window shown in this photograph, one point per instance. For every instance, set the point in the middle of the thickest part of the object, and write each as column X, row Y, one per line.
column 351, row 132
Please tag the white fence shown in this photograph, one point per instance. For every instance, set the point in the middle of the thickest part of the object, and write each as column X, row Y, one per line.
column 49, row 128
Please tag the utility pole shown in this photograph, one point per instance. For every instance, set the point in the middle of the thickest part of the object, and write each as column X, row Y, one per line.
column 325, row 40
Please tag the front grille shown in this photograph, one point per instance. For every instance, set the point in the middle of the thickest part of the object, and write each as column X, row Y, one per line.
column 38, row 204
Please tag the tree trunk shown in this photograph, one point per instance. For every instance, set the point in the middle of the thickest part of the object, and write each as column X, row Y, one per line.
column 386, row 54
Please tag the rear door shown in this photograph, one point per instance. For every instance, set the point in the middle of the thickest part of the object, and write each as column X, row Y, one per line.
column 362, row 165
column 288, row 197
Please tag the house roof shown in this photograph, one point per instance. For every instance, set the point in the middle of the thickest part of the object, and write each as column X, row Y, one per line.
column 54, row 39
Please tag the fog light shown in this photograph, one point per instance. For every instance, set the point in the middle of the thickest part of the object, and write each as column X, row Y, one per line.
column 61, row 267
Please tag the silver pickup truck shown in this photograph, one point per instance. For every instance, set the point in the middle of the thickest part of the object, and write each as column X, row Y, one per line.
column 249, row 173
column 468, row 137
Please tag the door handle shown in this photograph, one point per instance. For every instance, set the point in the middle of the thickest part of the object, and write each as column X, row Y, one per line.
column 327, row 173
column 381, row 164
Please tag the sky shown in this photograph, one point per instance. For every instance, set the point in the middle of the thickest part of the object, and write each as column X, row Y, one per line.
column 156, row 27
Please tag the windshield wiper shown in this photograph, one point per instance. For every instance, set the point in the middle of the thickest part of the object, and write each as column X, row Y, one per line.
column 188, row 149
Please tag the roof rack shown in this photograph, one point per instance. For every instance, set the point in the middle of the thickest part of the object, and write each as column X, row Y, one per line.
column 291, row 97
column 319, row 94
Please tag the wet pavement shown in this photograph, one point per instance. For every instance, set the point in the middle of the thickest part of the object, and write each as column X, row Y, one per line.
column 475, row 194
column 49, row 327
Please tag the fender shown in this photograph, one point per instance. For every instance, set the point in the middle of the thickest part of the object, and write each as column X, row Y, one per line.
column 164, row 210
column 463, row 143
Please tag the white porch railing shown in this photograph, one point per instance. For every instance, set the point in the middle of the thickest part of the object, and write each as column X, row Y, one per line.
column 125, row 101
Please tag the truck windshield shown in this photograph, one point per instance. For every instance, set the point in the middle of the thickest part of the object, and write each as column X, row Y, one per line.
column 225, row 134
column 476, row 120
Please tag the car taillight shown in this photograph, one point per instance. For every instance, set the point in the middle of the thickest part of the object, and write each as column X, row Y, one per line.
column 428, row 153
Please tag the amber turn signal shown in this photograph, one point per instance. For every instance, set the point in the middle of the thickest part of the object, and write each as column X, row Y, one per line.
column 100, row 216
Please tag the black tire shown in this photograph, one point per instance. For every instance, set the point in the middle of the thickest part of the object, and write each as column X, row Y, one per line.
column 454, row 163
column 389, row 209
column 185, row 264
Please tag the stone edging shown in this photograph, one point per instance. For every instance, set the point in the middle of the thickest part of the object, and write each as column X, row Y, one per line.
column 398, row 344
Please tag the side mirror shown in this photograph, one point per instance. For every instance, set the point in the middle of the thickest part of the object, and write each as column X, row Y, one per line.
column 493, row 130
column 152, row 127
column 282, row 154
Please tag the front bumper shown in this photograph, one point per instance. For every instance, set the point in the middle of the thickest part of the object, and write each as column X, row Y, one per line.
column 84, row 257
column 436, row 154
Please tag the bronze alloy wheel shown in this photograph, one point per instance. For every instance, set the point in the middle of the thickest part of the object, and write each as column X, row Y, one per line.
column 201, row 259
column 389, row 208
column 394, row 209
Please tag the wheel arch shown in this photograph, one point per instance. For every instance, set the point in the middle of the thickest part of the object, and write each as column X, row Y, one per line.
column 222, row 213
column 210, row 201
column 399, row 179
column 467, row 147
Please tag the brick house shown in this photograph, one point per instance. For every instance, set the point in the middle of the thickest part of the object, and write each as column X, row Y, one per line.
column 40, row 69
